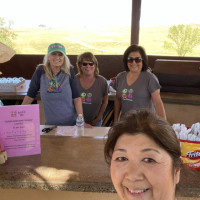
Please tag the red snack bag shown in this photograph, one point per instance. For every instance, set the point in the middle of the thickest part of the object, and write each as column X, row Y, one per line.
column 190, row 154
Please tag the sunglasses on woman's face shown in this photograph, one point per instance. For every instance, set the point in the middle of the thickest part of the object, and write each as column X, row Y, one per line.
column 87, row 63
column 131, row 59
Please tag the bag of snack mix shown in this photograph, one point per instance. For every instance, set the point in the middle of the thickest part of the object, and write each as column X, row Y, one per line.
column 190, row 144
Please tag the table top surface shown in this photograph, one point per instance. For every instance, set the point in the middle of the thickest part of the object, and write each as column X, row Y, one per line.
column 73, row 162
column 71, row 159
column 74, row 131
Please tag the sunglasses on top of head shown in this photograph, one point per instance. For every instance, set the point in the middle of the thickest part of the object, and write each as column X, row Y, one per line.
column 131, row 59
column 87, row 63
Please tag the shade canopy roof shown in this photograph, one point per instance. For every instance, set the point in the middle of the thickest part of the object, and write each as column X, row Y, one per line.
column 6, row 53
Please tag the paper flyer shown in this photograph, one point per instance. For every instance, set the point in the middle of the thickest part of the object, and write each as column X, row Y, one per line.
column 20, row 130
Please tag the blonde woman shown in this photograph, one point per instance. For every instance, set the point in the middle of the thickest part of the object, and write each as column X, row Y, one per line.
column 57, row 83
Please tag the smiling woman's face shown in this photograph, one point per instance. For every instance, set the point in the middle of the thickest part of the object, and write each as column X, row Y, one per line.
column 133, row 66
column 56, row 59
column 140, row 169
column 88, row 67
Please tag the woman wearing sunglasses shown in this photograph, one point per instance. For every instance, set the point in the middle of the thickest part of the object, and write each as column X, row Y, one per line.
column 93, row 89
column 136, row 87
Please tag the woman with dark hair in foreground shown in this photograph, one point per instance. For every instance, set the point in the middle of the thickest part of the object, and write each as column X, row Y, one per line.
column 144, row 157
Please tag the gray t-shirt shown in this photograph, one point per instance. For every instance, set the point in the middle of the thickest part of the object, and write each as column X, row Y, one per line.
column 137, row 95
column 57, row 100
column 92, row 97
column 57, row 96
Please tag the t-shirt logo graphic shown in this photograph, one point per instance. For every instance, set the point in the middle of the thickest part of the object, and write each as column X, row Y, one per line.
column 127, row 94
column 54, row 86
column 86, row 98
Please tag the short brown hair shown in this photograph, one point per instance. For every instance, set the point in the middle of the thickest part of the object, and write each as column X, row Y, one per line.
column 149, row 123
column 87, row 56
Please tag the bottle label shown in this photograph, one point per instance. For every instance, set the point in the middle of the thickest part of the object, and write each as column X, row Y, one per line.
column 79, row 121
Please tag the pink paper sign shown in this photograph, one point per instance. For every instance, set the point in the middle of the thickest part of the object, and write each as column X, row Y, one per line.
column 20, row 130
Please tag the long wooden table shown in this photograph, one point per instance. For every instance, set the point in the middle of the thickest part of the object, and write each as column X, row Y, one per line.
column 69, row 160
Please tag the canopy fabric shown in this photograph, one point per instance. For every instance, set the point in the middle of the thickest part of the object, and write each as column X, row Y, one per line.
column 6, row 53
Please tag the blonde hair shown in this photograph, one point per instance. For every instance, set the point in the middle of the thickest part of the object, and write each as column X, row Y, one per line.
column 46, row 66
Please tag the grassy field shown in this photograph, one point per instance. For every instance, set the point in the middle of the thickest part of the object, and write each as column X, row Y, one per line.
column 100, row 42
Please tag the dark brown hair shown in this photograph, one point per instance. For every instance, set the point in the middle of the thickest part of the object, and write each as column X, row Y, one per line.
column 149, row 123
column 134, row 48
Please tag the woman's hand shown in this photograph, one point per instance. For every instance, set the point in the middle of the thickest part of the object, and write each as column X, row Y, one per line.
column 88, row 126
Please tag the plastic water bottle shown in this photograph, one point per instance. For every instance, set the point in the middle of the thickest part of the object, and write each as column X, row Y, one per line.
column 1, row 103
column 80, row 120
